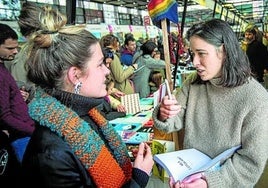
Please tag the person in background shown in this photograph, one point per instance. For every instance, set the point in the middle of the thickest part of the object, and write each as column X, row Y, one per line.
column 157, row 55
column 146, row 63
column 73, row 145
column 128, row 51
column 15, row 122
column 139, row 42
column 108, row 56
column 113, row 94
column 119, row 74
column 219, row 106
column 155, row 80
column 257, row 54
column 185, row 57
column 108, row 59
column 28, row 22
column 115, row 103
column 265, row 39
column 259, row 33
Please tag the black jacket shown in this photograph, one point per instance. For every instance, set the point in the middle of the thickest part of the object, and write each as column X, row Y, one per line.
column 258, row 57
column 50, row 162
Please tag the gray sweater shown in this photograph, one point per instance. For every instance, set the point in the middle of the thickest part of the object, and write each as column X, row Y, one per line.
column 217, row 118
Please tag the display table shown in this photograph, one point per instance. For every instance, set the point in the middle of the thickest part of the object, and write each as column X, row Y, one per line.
column 137, row 128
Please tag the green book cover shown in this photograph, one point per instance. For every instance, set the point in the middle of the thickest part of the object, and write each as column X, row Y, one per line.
column 158, row 147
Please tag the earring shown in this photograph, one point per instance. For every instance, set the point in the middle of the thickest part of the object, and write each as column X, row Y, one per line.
column 77, row 87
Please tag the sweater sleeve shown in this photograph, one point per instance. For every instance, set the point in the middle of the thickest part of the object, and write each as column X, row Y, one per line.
column 140, row 177
column 13, row 109
column 152, row 63
column 245, row 167
column 114, row 102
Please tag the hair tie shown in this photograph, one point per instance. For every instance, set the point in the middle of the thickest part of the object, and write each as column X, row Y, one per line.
column 49, row 32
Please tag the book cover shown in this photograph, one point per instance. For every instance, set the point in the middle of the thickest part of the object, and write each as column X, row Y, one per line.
column 159, row 94
column 139, row 118
column 158, row 147
column 130, row 137
column 183, row 163
column 147, row 101
column 131, row 103
column 127, row 126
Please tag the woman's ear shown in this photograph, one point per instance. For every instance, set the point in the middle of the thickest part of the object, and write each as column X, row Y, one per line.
column 73, row 75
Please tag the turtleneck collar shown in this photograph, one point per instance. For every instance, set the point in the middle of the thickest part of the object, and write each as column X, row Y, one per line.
column 80, row 104
column 215, row 82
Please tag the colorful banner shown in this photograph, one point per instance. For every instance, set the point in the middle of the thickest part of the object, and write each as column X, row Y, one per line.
column 161, row 9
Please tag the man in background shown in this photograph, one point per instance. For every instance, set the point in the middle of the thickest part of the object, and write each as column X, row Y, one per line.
column 15, row 122
column 257, row 53
column 128, row 51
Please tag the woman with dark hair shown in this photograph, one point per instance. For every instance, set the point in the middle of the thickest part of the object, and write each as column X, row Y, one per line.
column 73, row 145
column 146, row 63
column 112, row 92
column 108, row 56
column 219, row 106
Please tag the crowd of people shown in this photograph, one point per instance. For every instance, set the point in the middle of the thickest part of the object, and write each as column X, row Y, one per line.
column 64, row 85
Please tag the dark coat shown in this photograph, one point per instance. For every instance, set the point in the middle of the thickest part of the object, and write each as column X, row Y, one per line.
column 258, row 57
column 50, row 162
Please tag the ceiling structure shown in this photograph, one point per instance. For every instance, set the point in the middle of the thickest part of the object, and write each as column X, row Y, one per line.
column 251, row 11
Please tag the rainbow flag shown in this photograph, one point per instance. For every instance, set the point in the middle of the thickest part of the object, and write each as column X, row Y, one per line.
column 161, row 9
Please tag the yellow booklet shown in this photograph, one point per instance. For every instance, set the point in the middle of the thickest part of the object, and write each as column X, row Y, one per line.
column 158, row 147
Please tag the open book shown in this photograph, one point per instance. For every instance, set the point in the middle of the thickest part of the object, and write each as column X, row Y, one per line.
column 183, row 163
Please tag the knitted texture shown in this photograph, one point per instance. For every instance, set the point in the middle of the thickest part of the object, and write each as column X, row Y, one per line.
column 114, row 141
column 105, row 169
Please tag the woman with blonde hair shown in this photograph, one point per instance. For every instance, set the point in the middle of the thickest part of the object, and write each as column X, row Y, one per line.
column 73, row 145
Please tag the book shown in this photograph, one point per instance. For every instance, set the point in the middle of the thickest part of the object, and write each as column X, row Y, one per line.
column 161, row 146
column 159, row 94
column 135, row 137
column 131, row 103
column 142, row 119
column 147, row 101
column 127, row 126
column 183, row 163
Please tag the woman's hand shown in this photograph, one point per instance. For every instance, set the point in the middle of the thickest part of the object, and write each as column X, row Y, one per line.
column 120, row 108
column 24, row 94
column 117, row 93
column 144, row 160
column 194, row 181
column 168, row 108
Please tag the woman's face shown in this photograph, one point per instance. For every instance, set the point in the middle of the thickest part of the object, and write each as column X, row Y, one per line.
column 206, row 58
column 94, row 78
